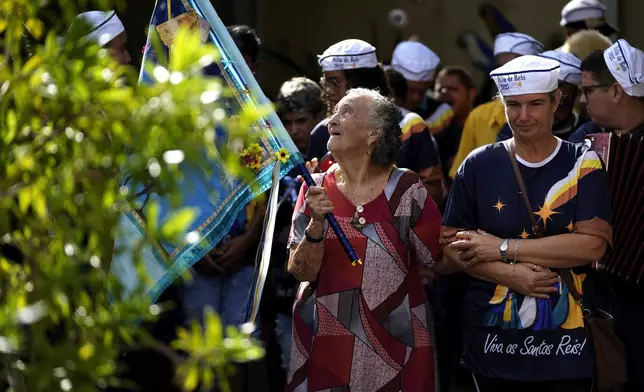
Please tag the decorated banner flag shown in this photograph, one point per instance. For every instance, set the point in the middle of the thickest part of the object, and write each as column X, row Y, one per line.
column 220, row 200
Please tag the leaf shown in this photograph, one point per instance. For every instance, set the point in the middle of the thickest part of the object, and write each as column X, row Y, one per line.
column 39, row 204
column 24, row 199
column 119, row 95
column 191, row 381
column 35, row 27
column 86, row 351
column 63, row 303
column 178, row 222
column 208, row 378
column 214, row 330
column 32, row 64
column 152, row 214
column 108, row 338
column 196, row 343
column 12, row 127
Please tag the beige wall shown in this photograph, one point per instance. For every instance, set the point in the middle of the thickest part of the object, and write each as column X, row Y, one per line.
column 300, row 29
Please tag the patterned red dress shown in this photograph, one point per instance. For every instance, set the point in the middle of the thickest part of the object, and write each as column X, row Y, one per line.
column 364, row 328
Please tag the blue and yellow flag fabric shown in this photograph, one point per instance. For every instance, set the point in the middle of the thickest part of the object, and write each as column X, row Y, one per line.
column 221, row 199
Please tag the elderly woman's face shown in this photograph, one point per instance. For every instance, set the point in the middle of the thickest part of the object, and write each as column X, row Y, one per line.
column 349, row 129
column 530, row 115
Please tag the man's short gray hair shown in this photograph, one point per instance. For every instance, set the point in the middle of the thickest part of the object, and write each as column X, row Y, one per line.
column 385, row 117
column 300, row 95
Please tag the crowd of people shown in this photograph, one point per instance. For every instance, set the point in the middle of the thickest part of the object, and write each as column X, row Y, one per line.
column 459, row 288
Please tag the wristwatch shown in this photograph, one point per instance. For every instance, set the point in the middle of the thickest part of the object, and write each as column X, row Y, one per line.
column 503, row 248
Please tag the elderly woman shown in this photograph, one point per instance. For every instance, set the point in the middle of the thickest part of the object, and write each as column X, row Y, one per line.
column 524, row 331
column 363, row 327
column 353, row 63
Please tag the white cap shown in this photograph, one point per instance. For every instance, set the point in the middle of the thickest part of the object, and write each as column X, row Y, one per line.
column 581, row 10
column 626, row 63
column 105, row 26
column 518, row 43
column 527, row 75
column 348, row 54
column 415, row 61
column 570, row 70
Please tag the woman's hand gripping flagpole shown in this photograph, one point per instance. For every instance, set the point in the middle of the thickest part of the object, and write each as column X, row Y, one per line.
column 333, row 223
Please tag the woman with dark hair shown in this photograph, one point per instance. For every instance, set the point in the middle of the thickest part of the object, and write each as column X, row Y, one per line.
column 363, row 327
column 353, row 64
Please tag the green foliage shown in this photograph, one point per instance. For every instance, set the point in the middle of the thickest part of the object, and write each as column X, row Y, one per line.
column 68, row 114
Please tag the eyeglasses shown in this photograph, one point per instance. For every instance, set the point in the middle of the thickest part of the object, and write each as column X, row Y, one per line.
column 586, row 90
column 329, row 83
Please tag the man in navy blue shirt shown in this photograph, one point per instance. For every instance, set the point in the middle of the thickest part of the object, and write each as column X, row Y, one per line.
column 613, row 86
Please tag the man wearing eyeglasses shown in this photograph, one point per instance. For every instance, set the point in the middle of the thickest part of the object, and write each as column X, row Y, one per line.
column 613, row 90
column 613, row 94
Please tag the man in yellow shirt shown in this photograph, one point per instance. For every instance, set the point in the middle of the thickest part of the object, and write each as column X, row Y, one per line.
column 486, row 120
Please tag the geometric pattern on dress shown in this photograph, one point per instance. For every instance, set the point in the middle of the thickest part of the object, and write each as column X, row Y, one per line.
column 348, row 307
column 375, row 342
column 381, row 312
column 392, row 184
column 398, row 325
column 418, row 199
column 303, row 387
column 423, row 313
column 423, row 253
column 298, row 357
column 346, row 226
column 339, row 343
column 415, row 212
column 420, row 196
column 421, row 334
column 369, row 231
column 402, row 226
column 389, row 246
column 407, row 180
column 408, row 354
column 308, row 314
column 330, row 302
column 404, row 207
column 328, row 325
column 369, row 372
column 381, row 275
column 349, row 314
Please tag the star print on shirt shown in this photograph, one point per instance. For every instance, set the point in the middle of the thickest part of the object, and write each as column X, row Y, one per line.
column 524, row 235
column 544, row 214
column 499, row 206
column 570, row 227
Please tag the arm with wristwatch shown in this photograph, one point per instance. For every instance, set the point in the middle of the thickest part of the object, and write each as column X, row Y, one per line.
column 522, row 264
